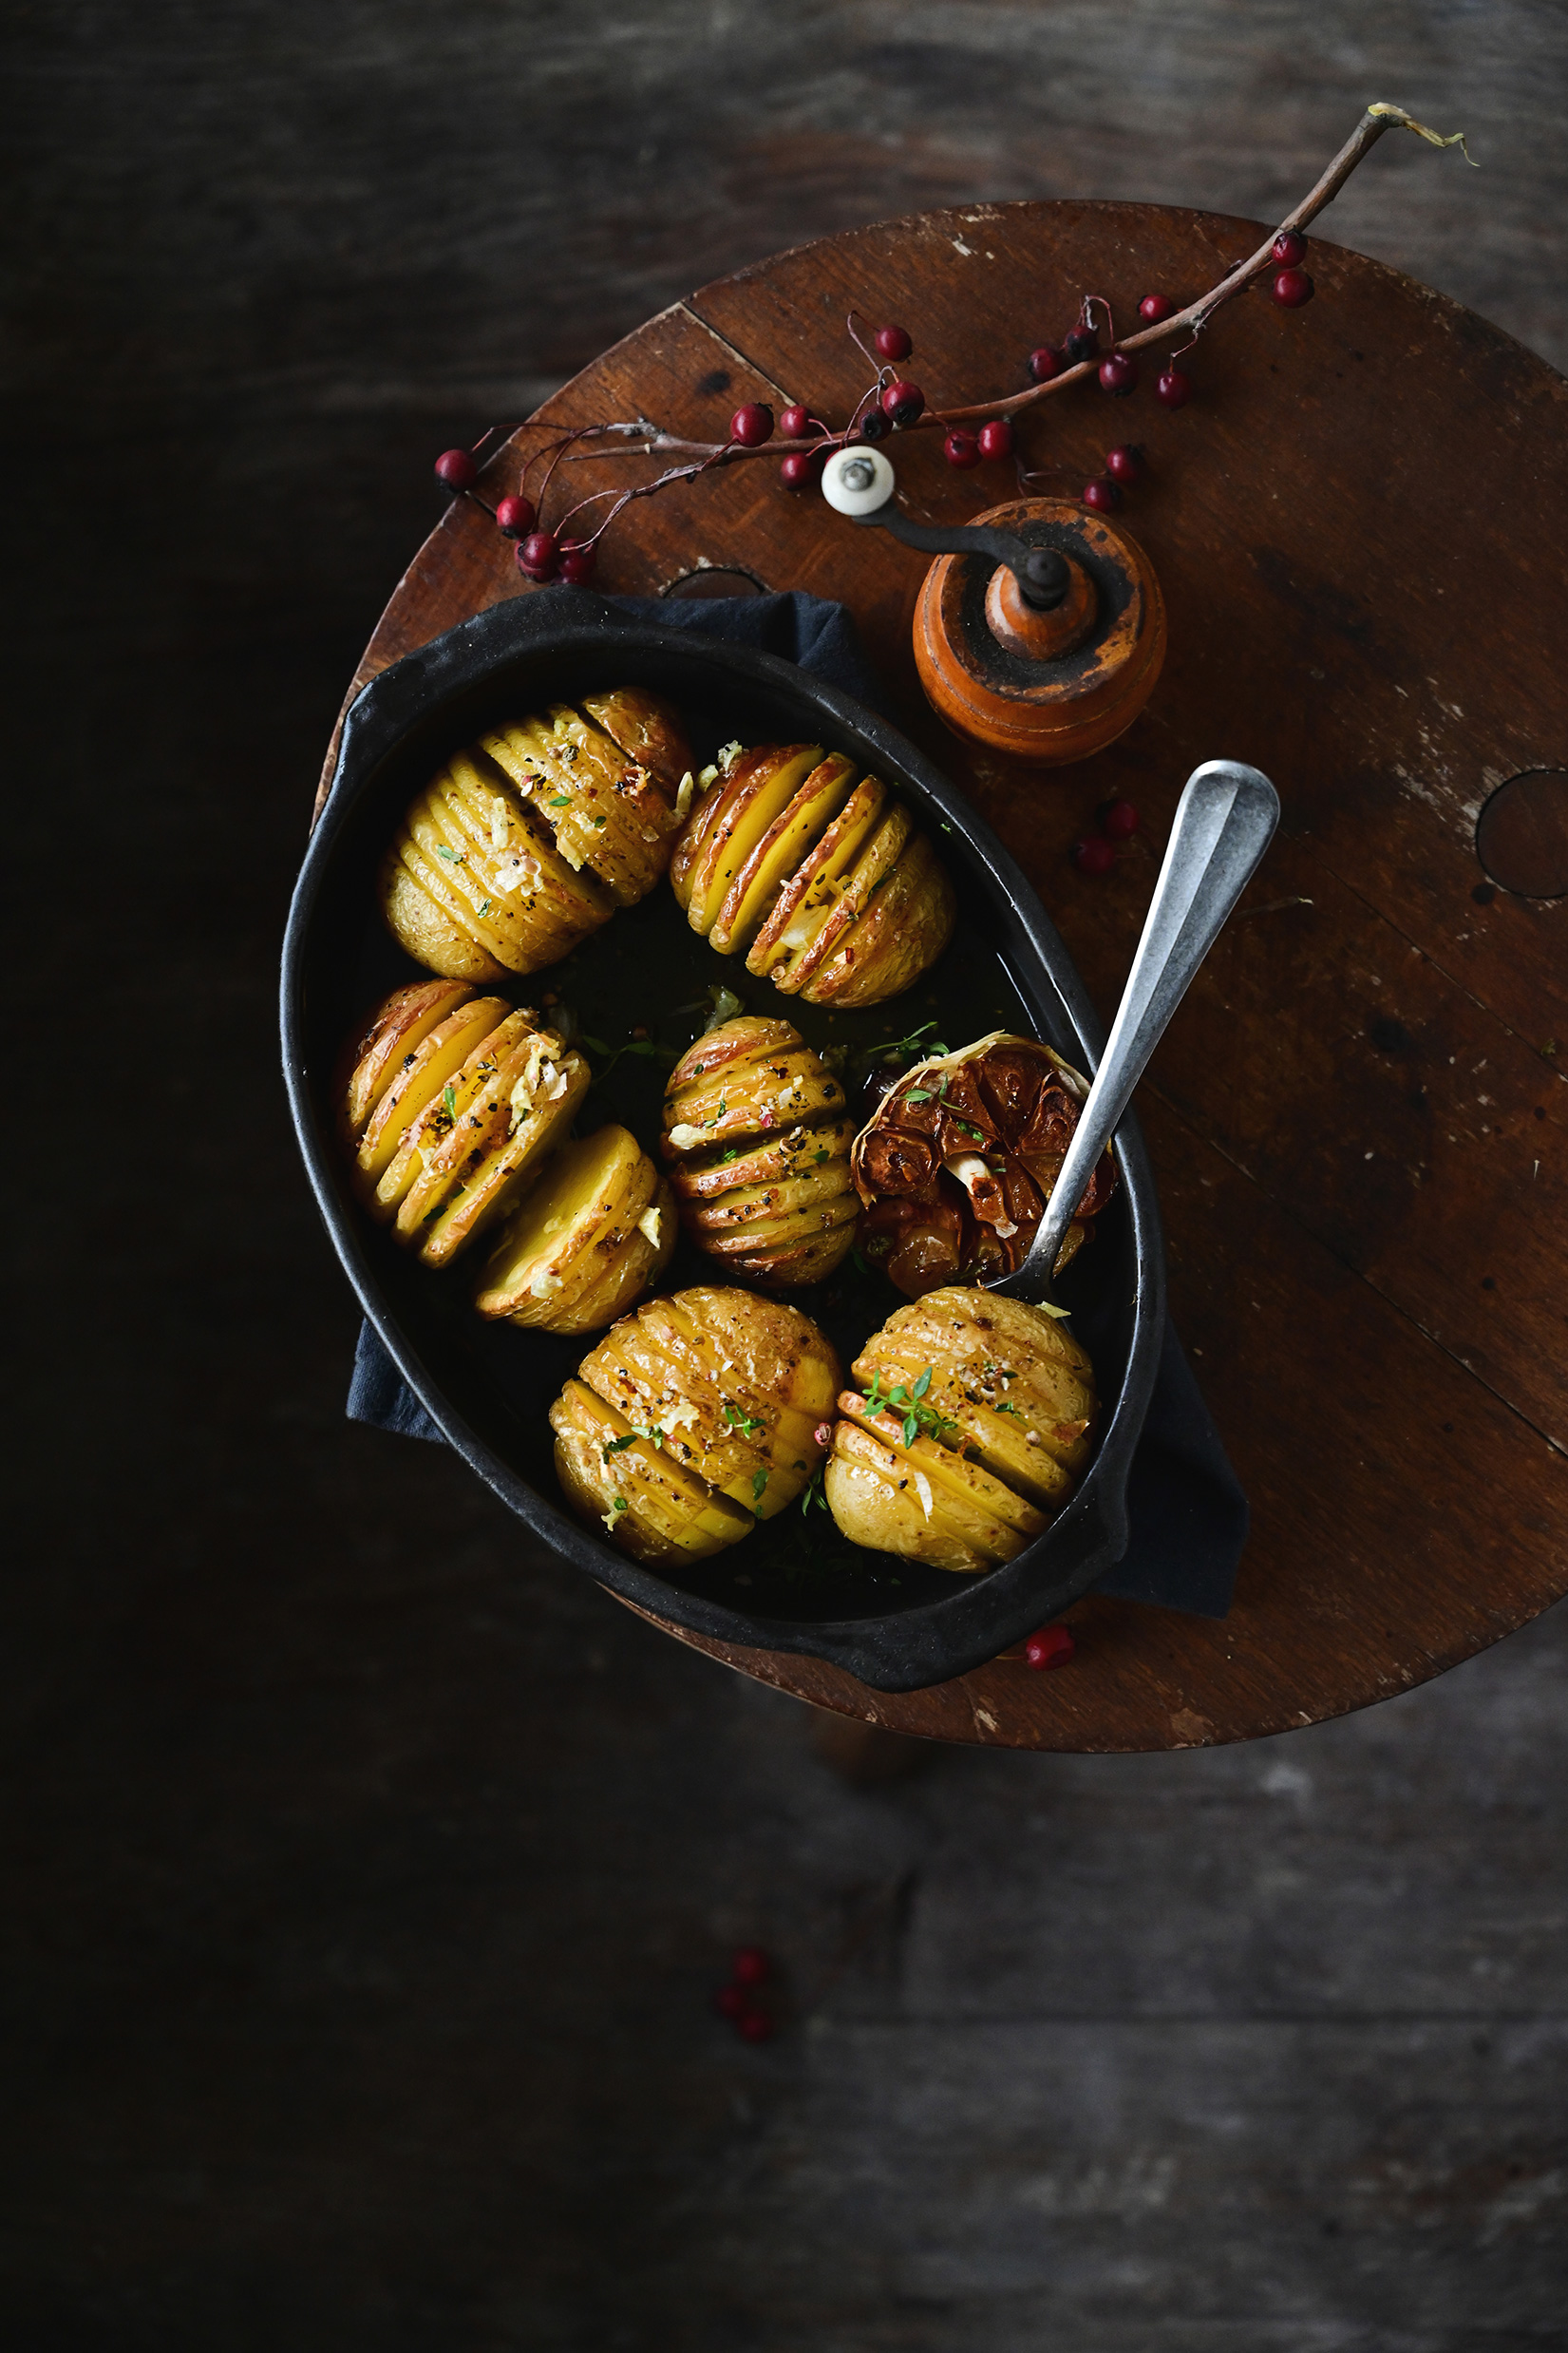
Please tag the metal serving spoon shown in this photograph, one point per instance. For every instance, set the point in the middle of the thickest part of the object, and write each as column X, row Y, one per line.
column 1224, row 822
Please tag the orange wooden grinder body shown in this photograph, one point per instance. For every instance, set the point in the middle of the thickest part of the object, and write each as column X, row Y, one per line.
column 1047, row 688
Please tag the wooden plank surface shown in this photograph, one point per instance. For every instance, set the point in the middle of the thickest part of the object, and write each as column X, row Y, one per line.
column 1361, row 1079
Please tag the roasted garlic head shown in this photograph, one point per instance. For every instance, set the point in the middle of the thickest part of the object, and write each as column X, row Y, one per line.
column 957, row 1165
column 972, row 1425
column 594, row 1231
column 531, row 838
column 758, row 1133
column 693, row 1419
column 823, row 881
column 452, row 1102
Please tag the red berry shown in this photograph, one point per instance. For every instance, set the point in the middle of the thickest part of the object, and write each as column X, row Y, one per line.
column 1118, row 820
column 1125, row 464
column 961, row 449
column 795, row 469
column 1053, row 1645
column 576, row 564
column 903, row 401
column 516, row 515
column 996, row 438
column 455, row 470
column 795, row 421
column 731, row 2001
column 752, row 425
column 1154, row 308
column 1289, row 249
column 1173, row 388
column 1118, row 374
column 755, row 2025
column 1292, row 287
column 892, row 343
column 750, row 1966
column 537, row 555
column 1081, row 344
column 1103, row 495
column 1046, row 363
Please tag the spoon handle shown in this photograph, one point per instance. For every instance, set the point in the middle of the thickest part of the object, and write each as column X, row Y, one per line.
column 1224, row 822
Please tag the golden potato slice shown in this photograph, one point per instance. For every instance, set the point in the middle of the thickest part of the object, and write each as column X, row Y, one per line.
column 759, row 787
column 516, row 1101
column 739, row 1386
column 605, row 811
column 472, row 884
column 891, row 1499
column 904, row 924
column 756, row 1129
column 633, row 1267
column 793, row 834
column 397, row 1029
column 648, row 729
column 559, row 1239
column 650, row 1506
column 437, row 1060
column 818, row 883
column 851, row 894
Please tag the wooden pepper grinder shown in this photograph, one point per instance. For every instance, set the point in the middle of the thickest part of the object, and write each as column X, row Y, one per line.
column 1041, row 630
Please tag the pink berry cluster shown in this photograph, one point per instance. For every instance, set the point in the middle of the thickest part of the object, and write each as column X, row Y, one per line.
column 1117, row 820
column 740, row 2000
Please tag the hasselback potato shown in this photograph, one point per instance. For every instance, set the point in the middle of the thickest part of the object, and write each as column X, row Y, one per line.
column 694, row 1418
column 970, row 1426
column 595, row 1228
column 818, row 876
column 957, row 1165
column 530, row 839
column 452, row 1102
column 758, row 1135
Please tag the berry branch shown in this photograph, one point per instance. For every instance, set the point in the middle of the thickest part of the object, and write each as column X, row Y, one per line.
column 891, row 402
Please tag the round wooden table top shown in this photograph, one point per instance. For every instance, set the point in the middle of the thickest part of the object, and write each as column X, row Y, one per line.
column 1358, row 1118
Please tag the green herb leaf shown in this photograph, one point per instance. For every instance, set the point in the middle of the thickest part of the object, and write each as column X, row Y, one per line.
column 449, row 1101
column 486, row 908
column 747, row 1424
column 614, row 1446
column 759, row 1481
column 924, row 1382
column 453, row 857
column 919, row 1094
column 562, row 800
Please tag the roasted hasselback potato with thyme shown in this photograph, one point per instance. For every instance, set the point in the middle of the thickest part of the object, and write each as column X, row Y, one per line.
column 694, row 1418
column 758, row 1133
column 531, row 838
column 957, row 1165
column 597, row 1228
column 452, row 1102
column 817, row 875
column 970, row 1427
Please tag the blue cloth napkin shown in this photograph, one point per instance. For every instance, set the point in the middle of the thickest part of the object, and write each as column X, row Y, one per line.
column 1188, row 1512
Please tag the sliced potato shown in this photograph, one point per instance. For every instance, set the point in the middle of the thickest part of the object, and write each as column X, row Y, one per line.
column 693, row 1418
column 989, row 1402
column 568, row 1238
column 758, row 788
column 523, row 843
column 399, row 1027
column 648, row 729
column 635, row 1267
column 792, row 835
column 808, row 898
column 900, row 928
column 756, row 1129
column 437, row 1060
column 650, row 1506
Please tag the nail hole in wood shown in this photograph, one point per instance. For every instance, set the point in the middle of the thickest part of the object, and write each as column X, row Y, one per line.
column 1522, row 834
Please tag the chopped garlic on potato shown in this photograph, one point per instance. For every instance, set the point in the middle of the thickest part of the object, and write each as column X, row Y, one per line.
column 543, row 1283
column 683, row 797
column 650, row 1224
column 685, row 1138
column 922, row 1489
column 498, row 822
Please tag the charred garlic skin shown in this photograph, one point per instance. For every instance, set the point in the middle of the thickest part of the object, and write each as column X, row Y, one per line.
column 757, row 1135
column 694, row 1418
column 527, row 841
column 970, row 1425
column 956, row 1163
column 451, row 1104
column 817, row 875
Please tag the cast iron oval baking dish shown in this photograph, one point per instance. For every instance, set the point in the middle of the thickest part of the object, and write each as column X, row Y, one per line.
column 893, row 1624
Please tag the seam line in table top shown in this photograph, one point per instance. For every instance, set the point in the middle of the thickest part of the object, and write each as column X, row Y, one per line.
column 733, row 348
column 1151, row 2020
column 1378, row 1292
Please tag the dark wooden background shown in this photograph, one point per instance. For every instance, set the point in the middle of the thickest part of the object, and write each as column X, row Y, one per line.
column 366, row 1877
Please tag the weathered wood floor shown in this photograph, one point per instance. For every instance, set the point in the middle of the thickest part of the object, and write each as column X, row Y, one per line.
column 366, row 1877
